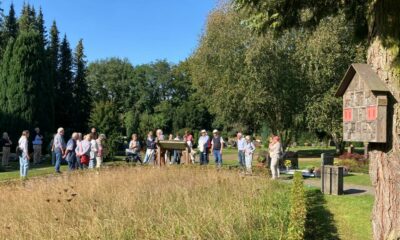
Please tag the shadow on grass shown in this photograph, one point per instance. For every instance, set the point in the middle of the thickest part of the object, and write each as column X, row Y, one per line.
column 319, row 224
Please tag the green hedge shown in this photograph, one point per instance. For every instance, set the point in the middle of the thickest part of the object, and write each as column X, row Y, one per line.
column 298, row 209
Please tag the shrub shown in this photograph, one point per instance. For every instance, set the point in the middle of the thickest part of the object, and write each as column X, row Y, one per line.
column 298, row 209
column 353, row 162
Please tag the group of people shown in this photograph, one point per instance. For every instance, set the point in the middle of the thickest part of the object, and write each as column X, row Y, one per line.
column 81, row 152
column 206, row 145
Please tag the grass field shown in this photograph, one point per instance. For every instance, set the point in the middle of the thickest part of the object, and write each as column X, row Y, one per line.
column 330, row 217
column 145, row 203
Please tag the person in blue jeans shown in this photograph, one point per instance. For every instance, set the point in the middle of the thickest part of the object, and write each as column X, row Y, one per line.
column 23, row 153
column 59, row 148
column 241, row 143
column 217, row 145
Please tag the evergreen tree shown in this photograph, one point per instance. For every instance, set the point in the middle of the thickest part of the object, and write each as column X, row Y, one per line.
column 27, row 21
column 41, row 28
column 9, row 28
column 4, row 73
column 24, row 69
column 81, row 93
column 64, row 92
column 54, row 55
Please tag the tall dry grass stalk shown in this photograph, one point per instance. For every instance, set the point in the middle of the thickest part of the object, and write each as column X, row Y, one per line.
column 145, row 203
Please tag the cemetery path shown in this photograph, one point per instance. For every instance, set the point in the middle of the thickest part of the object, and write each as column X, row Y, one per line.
column 349, row 189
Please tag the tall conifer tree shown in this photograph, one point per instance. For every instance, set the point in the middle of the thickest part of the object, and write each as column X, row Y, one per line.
column 25, row 70
column 81, row 93
column 9, row 29
column 27, row 21
column 64, row 93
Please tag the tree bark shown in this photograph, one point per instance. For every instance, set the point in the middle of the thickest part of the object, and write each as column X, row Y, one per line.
column 385, row 158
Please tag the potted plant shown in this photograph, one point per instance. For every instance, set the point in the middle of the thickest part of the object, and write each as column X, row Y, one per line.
column 288, row 164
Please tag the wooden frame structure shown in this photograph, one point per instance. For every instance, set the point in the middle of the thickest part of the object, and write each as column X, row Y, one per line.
column 164, row 145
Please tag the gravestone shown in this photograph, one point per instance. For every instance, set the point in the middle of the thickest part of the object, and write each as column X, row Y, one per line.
column 332, row 180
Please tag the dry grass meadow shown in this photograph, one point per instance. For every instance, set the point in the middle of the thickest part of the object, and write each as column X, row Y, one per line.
column 145, row 203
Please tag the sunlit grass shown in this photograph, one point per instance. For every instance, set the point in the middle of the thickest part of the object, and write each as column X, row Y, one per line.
column 145, row 203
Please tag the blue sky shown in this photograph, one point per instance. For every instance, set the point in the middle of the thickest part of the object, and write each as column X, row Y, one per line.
column 140, row 30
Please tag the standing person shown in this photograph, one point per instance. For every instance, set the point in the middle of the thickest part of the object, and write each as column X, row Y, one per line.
column 189, row 141
column 93, row 132
column 51, row 150
column 93, row 150
column 23, row 153
column 169, row 153
column 59, row 148
column 203, row 147
column 83, row 151
column 241, row 142
column 177, row 153
column 160, row 151
column 78, row 149
column 133, row 152
column 275, row 150
column 217, row 145
column 6, row 146
column 70, row 152
column 37, row 146
column 100, row 150
column 249, row 149
column 151, row 146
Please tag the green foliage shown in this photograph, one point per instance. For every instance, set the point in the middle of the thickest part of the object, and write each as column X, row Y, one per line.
column 81, row 97
column 247, row 80
column 105, row 118
column 64, row 86
column 24, row 77
column 298, row 210
column 9, row 29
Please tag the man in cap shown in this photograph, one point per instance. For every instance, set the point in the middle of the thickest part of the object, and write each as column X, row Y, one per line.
column 217, row 145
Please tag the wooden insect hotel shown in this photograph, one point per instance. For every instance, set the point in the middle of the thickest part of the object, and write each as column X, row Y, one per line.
column 365, row 100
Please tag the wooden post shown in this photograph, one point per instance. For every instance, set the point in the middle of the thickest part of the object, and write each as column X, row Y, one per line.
column 366, row 149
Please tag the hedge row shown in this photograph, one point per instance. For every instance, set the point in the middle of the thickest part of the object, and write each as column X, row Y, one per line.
column 298, row 209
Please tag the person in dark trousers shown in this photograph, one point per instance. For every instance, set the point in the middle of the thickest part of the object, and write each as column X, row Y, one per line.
column 203, row 147
column 5, row 143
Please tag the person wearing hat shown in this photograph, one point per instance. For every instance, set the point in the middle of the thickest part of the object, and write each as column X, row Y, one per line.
column 249, row 149
column 203, row 147
column 275, row 151
column 37, row 146
column 217, row 145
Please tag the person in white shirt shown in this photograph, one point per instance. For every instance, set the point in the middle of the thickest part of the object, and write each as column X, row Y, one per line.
column 23, row 153
column 59, row 148
column 241, row 142
column 203, row 147
column 249, row 149
column 37, row 146
column 275, row 151
column 93, row 150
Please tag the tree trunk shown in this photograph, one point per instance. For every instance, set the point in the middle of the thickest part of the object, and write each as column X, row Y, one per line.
column 385, row 158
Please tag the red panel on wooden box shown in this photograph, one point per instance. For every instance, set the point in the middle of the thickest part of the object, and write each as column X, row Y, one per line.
column 348, row 114
column 372, row 113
